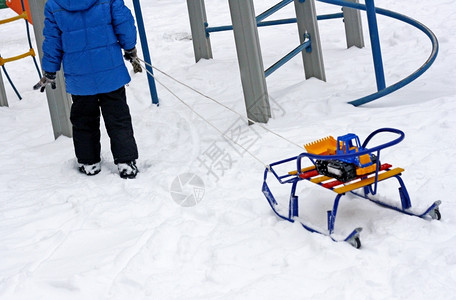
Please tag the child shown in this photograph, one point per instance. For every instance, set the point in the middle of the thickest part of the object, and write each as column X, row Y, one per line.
column 87, row 37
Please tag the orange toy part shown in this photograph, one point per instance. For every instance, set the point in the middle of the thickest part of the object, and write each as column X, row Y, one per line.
column 324, row 146
column 16, row 5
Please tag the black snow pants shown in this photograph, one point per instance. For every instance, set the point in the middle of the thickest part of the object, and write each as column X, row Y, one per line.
column 85, row 117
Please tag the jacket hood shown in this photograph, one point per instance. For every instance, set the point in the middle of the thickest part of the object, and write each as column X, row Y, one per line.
column 75, row 5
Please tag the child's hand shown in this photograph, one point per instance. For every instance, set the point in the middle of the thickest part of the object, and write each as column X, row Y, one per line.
column 47, row 79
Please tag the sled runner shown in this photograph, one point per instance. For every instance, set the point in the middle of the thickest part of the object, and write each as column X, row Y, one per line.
column 342, row 166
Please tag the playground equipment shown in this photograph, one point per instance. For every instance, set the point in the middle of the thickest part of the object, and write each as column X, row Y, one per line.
column 253, row 75
column 22, row 8
column 364, row 185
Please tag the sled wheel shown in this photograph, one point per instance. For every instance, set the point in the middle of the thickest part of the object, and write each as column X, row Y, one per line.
column 437, row 214
column 355, row 242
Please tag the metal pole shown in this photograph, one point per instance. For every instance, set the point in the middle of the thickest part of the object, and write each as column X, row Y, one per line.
column 145, row 49
column 275, row 22
column 250, row 60
column 286, row 58
column 198, row 25
column 423, row 68
column 59, row 101
column 375, row 44
column 3, row 99
column 307, row 26
column 353, row 26
column 272, row 10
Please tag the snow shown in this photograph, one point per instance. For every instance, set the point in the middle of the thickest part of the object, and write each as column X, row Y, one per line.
column 64, row 235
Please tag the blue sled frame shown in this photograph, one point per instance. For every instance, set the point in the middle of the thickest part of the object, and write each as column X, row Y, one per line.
column 366, row 192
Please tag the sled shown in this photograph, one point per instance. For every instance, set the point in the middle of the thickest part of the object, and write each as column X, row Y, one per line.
column 364, row 186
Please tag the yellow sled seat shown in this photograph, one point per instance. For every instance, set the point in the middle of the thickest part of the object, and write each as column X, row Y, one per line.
column 368, row 181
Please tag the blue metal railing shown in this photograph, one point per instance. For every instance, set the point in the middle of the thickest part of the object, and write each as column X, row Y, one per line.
column 30, row 41
column 273, row 10
column 423, row 68
column 286, row 58
column 260, row 23
column 427, row 64
column 11, row 82
column 372, row 11
column 274, row 22
column 375, row 44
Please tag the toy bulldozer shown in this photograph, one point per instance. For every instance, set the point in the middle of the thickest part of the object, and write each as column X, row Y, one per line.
column 343, row 169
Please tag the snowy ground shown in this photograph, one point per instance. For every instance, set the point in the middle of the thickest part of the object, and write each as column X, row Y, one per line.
column 68, row 236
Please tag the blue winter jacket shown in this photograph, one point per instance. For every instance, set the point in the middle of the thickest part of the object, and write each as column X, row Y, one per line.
column 87, row 36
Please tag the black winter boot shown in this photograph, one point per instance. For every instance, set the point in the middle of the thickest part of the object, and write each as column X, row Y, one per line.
column 128, row 169
column 90, row 170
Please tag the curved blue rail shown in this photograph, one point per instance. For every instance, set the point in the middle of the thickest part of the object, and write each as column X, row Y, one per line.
column 411, row 77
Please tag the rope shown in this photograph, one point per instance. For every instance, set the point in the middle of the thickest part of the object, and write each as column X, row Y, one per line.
column 204, row 119
column 221, row 104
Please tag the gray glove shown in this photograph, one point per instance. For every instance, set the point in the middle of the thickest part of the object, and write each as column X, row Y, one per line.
column 47, row 79
column 132, row 56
